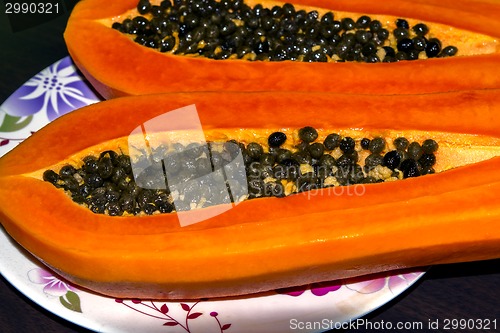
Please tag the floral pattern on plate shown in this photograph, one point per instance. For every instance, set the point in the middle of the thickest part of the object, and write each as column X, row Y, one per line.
column 56, row 287
column 160, row 310
column 59, row 89
column 53, row 92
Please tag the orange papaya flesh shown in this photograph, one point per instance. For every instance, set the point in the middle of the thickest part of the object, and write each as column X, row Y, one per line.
column 117, row 66
column 330, row 235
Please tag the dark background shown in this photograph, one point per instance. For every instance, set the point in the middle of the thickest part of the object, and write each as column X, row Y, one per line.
column 459, row 291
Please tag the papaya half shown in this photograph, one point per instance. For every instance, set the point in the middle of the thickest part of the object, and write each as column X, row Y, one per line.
column 178, row 46
column 267, row 242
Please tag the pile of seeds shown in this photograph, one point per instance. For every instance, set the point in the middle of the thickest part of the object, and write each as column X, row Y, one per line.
column 232, row 29
column 180, row 178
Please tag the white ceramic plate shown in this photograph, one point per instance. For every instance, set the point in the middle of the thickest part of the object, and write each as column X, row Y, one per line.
column 59, row 89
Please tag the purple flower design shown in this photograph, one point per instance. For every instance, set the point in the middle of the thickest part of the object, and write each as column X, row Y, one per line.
column 393, row 282
column 317, row 289
column 53, row 286
column 56, row 90
column 363, row 285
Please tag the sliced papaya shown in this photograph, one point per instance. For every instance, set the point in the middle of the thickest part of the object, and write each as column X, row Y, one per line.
column 258, row 242
column 139, row 47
